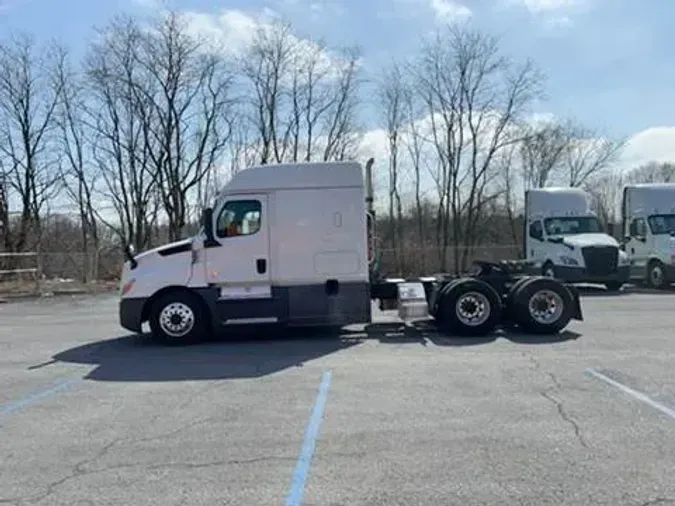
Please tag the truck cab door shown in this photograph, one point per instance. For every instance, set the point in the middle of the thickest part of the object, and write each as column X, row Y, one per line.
column 239, row 266
column 637, row 246
column 535, row 243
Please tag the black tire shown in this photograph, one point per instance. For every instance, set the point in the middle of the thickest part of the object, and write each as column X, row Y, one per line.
column 436, row 299
column 656, row 275
column 614, row 286
column 509, row 309
column 530, row 318
column 176, row 305
column 474, row 296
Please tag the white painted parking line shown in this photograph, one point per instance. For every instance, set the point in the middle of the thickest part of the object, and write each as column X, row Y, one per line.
column 633, row 393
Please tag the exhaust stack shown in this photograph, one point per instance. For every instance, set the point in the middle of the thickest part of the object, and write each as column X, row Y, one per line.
column 369, row 186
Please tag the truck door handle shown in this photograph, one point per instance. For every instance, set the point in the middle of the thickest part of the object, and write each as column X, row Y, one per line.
column 261, row 265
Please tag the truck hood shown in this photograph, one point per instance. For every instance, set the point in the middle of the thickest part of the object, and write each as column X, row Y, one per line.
column 582, row 240
column 172, row 248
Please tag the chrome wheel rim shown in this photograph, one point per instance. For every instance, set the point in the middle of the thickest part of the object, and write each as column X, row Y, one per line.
column 546, row 306
column 472, row 309
column 176, row 319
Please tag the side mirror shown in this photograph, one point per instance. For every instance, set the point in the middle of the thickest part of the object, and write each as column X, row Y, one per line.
column 207, row 223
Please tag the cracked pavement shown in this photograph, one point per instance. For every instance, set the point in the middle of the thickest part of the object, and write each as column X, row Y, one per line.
column 411, row 418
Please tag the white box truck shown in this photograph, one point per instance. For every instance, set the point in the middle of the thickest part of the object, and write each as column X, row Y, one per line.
column 288, row 245
column 648, row 222
column 564, row 239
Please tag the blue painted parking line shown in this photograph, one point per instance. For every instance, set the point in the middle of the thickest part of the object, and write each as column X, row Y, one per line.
column 301, row 473
column 36, row 397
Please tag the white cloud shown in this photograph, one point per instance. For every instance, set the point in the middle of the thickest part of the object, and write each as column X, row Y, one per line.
column 537, row 6
column 554, row 14
column 449, row 11
column 653, row 144
column 232, row 30
column 229, row 31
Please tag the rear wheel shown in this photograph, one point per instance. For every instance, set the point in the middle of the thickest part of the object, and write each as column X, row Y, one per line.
column 469, row 307
column 542, row 306
column 179, row 318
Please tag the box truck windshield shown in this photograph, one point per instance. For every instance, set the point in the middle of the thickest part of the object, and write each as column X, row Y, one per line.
column 662, row 224
column 576, row 225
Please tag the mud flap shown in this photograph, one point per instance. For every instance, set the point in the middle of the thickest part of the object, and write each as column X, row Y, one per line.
column 576, row 301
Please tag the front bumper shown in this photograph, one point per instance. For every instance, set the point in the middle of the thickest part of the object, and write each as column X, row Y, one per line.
column 579, row 275
column 131, row 313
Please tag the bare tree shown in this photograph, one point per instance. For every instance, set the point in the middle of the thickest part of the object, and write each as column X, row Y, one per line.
column 588, row 154
column 27, row 106
column 652, row 172
column 474, row 96
column 189, row 122
column 606, row 190
column 120, row 116
column 415, row 145
column 77, row 173
column 393, row 106
column 302, row 99
column 542, row 153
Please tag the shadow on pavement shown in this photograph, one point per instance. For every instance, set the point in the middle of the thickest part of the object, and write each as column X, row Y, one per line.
column 252, row 355
column 598, row 291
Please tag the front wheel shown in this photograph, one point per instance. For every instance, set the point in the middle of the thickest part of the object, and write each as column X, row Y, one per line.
column 656, row 275
column 179, row 318
column 542, row 306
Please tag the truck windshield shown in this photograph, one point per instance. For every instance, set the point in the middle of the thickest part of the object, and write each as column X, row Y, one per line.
column 573, row 225
column 661, row 224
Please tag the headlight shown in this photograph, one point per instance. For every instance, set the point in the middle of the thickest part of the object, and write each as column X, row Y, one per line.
column 568, row 260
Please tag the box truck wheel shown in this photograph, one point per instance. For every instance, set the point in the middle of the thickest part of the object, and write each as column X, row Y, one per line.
column 178, row 317
column 656, row 274
column 469, row 307
column 541, row 306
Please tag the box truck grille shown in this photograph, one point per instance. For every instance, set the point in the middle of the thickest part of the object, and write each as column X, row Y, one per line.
column 601, row 260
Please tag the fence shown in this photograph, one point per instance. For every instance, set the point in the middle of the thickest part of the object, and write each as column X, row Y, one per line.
column 19, row 271
column 34, row 273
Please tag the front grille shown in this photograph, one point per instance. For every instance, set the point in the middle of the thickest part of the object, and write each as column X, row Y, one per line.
column 601, row 260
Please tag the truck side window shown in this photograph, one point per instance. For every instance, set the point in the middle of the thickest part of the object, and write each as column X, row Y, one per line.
column 536, row 230
column 638, row 228
column 239, row 217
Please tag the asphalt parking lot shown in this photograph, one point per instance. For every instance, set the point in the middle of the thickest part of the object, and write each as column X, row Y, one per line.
column 92, row 416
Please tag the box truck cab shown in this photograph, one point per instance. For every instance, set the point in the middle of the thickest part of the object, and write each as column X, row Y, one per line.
column 564, row 239
column 648, row 220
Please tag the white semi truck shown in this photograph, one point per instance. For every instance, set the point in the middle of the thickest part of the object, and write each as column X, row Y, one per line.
column 564, row 239
column 289, row 245
column 648, row 220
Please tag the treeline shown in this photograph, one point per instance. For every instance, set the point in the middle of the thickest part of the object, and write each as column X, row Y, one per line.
column 135, row 138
